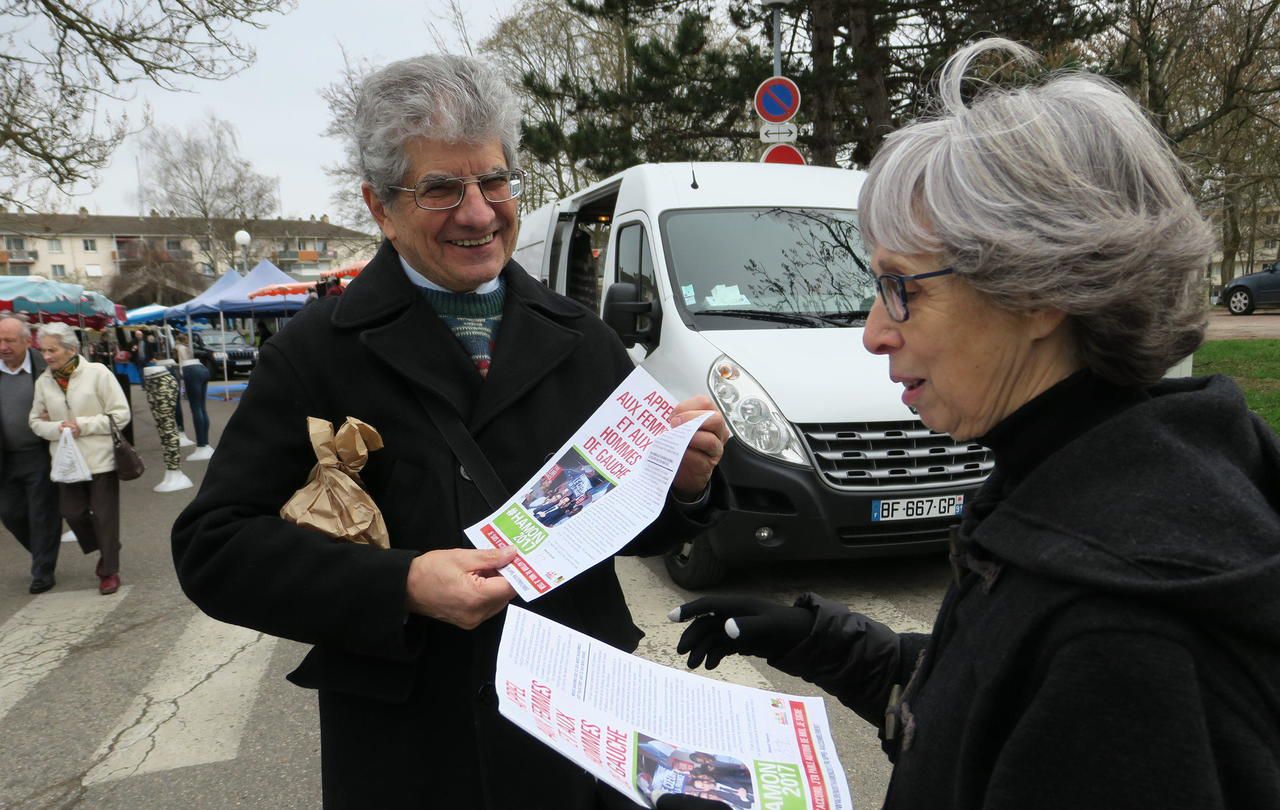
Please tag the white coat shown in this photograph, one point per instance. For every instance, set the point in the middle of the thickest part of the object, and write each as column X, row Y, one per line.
column 92, row 394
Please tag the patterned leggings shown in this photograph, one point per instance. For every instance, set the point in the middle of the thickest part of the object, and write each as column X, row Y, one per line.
column 162, row 396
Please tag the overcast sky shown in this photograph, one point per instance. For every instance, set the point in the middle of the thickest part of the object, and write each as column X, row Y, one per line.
column 275, row 104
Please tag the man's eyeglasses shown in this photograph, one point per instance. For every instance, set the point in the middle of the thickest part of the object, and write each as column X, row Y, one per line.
column 893, row 291
column 443, row 193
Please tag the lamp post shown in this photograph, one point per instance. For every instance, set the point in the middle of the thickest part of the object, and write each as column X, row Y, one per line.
column 243, row 239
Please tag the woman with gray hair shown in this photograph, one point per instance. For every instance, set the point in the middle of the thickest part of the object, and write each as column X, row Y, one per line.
column 83, row 397
column 1112, row 637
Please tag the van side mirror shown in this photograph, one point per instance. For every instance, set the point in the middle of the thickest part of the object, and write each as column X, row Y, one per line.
column 621, row 313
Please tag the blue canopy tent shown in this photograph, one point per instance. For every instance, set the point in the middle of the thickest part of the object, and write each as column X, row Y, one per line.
column 196, row 305
column 235, row 300
column 151, row 313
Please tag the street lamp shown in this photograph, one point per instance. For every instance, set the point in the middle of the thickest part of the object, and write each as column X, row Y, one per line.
column 243, row 239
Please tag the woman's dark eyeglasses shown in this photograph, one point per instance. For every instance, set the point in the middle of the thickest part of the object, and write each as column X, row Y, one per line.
column 893, row 291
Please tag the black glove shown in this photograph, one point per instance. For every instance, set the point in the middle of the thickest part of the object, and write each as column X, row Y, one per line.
column 679, row 801
column 739, row 624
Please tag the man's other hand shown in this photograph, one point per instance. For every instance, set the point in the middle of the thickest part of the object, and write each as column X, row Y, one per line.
column 459, row 586
column 705, row 449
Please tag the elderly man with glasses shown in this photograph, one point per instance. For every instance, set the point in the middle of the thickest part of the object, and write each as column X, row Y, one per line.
column 473, row 372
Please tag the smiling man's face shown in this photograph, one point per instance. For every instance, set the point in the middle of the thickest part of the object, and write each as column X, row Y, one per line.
column 460, row 248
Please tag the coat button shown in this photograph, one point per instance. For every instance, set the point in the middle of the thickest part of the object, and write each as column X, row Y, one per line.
column 462, row 471
column 486, row 696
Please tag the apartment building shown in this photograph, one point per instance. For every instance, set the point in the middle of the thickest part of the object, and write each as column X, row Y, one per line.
column 91, row 249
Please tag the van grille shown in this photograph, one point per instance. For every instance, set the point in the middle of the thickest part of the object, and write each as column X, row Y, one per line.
column 875, row 455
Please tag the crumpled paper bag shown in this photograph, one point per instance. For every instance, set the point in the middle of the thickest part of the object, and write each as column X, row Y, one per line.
column 333, row 500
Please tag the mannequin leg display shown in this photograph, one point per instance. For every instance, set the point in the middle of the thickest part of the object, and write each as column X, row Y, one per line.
column 196, row 378
column 183, row 439
column 162, row 391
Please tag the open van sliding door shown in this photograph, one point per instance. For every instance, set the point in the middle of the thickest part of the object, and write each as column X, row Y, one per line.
column 577, row 252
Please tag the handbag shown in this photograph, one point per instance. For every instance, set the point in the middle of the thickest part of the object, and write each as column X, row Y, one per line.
column 128, row 463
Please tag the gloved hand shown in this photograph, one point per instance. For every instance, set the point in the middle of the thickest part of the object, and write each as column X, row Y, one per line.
column 739, row 624
column 679, row 801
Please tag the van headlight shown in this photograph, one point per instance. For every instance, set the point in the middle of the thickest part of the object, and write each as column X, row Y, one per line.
column 751, row 414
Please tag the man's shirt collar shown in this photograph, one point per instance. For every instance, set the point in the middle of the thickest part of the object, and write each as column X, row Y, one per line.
column 420, row 280
column 26, row 364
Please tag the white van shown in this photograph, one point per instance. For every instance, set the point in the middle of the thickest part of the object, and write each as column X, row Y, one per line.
column 749, row 282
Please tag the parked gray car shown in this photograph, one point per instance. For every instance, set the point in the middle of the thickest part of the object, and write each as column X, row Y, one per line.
column 1254, row 290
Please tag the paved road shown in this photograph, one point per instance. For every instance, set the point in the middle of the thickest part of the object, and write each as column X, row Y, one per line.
column 139, row 701
column 1263, row 323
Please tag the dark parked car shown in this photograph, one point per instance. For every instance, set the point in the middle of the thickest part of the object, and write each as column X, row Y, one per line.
column 1254, row 290
column 210, row 347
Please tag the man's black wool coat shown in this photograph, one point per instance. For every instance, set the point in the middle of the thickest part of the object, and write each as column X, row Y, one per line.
column 407, row 707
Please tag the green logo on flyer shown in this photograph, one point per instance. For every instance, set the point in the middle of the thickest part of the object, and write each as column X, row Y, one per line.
column 781, row 786
column 520, row 528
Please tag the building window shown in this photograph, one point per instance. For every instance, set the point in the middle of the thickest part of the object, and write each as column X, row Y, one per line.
column 173, row 244
column 90, row 245
column 55, row 245
column 1270, row 244
column 206, row 269
column 59, row 270
column 204, row 245
column 286, row 244
column 94, row 270
column 15, row 243
column 1272, row 218
column 322, row 245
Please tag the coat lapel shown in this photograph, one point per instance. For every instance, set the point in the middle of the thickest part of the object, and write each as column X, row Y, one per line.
column 403, row 331
column 536, row 335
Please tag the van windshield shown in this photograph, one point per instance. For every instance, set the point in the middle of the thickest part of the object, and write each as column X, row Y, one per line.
column 768, row 268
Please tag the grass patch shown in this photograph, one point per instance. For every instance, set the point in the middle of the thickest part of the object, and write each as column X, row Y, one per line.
column 1254, row 365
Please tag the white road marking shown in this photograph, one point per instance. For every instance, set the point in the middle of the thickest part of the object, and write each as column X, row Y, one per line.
column 36, row 638
column 195, row 708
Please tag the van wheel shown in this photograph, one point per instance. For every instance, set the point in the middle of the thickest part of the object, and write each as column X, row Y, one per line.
column 695, row 565
column 1239, row 301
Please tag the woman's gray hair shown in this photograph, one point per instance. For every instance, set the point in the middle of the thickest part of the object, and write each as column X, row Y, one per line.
column 64, row 334
column 1055, row 195
column 455, row 99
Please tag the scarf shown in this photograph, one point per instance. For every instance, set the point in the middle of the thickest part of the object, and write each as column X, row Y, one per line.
column 62, row 376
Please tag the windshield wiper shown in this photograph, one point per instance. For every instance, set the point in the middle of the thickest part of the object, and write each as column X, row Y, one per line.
column 850, row 318
column 844, row 319
column 762, row 315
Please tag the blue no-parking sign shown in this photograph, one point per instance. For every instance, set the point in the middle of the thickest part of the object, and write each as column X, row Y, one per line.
column 777, row 99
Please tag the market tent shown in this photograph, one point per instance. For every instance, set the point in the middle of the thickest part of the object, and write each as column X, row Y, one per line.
column 349, row 271
column 236, row 301
column 302, row 288
column 51, row 300
column 151, row 313
column 188, row 308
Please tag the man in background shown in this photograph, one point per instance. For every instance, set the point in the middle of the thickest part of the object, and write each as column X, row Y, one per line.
column 28, row 499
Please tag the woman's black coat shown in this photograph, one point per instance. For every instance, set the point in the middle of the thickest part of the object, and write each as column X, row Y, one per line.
column 407, row 705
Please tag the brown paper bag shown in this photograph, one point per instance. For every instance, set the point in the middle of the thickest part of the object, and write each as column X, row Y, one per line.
column 333, row 500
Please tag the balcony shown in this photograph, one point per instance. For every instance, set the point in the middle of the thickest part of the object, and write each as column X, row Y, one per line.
column 180, row 255
column 21, row 256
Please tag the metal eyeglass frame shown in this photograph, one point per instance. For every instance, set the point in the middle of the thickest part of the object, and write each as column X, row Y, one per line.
column 899, row 283
column 515, row 179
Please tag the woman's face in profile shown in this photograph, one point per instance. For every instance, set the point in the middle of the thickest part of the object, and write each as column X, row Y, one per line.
column 964, row 363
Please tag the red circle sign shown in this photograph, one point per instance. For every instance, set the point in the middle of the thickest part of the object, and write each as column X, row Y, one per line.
column 777, row 99
column 783, row 153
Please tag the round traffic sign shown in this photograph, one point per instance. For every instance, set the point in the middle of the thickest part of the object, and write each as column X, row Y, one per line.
column 783, row 153
column 777, row 99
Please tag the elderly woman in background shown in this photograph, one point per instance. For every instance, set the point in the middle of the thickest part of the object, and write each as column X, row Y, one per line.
column 1112, row 636
column 74, row 393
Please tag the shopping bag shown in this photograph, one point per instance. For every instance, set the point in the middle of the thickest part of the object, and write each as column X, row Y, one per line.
column 334, row 500
column 69, row 465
